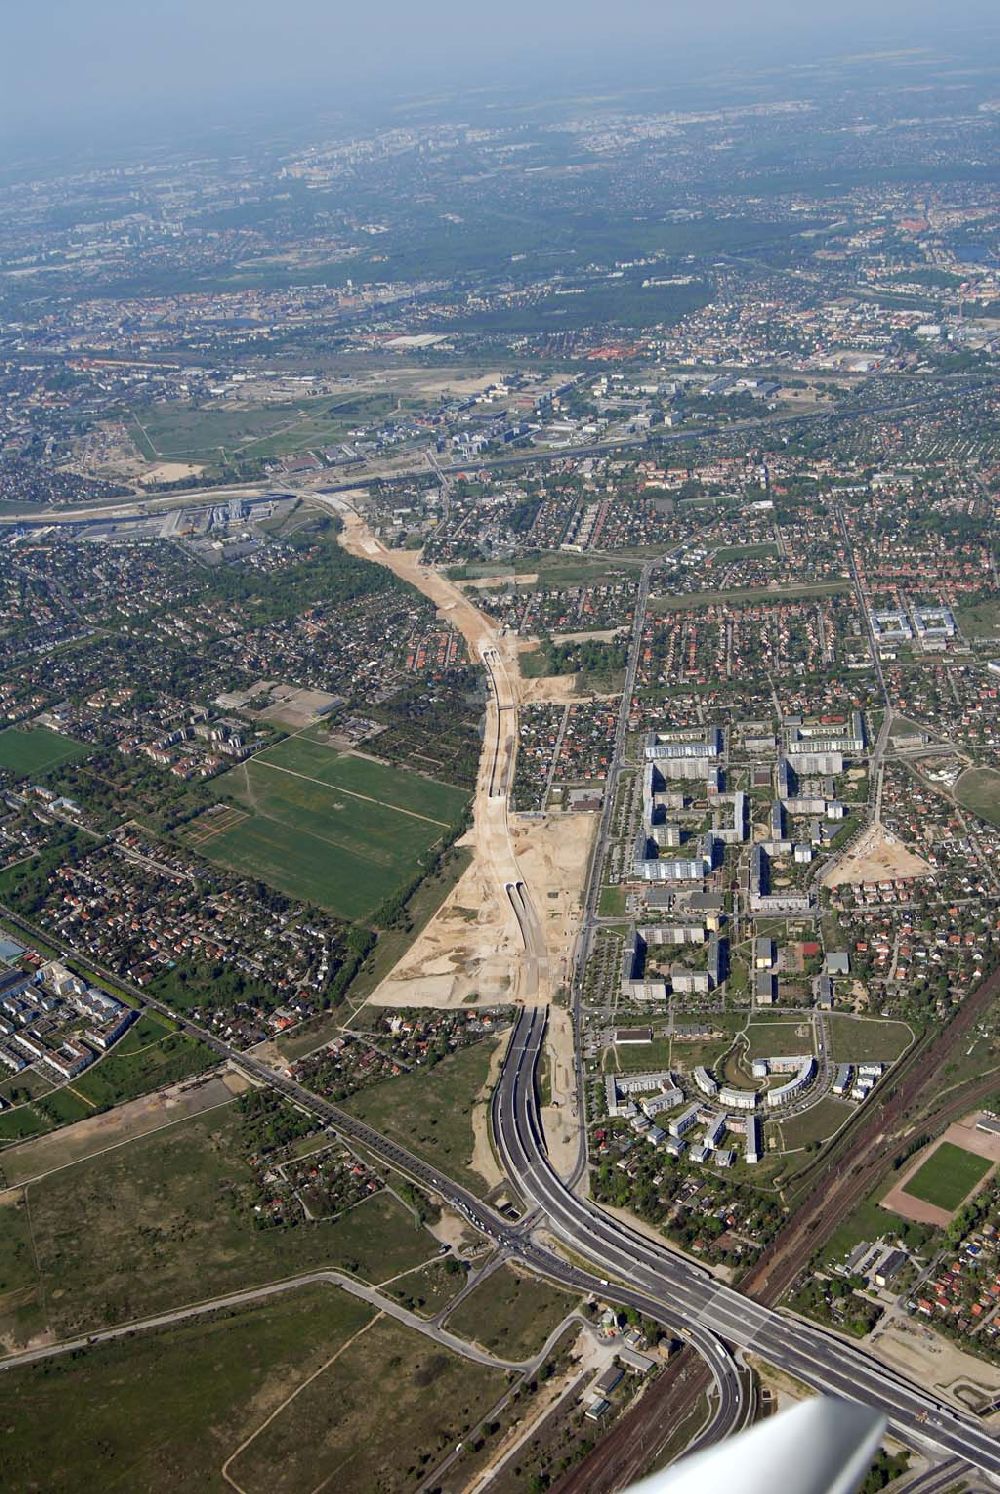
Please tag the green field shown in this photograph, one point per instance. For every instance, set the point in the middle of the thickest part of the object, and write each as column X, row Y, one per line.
column 380, row 1418
column 780, row 1039
column 815, row 1124
column 979, row 791
column 183, row 432
column 947, row 1176
column 132, row 1071
column 164, row 1410
column 429, row 1288
column 168, row 1219
column 767, row 551
column 430, row 1110
column 329, row 828
column 20, row 1123
column 866, row 1039
column 979, row 619
column 684, row 600
column 510, row 1315
column 64, row 1106
column 36, row 749
column 638, row 1058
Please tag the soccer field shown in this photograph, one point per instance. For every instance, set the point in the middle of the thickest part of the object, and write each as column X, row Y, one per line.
column 947, row 1176
column 339, row 831
column 36, row 750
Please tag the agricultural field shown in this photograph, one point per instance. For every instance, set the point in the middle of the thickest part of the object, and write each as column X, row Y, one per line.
column 32, row 751
column 327, row 827
column 169, row 1219
column 948, row 1175
column 510, row 1315
column 166, row 1409
column 380, row 1416
column 978, row 790
column 866, row 1039
column 430, row 1110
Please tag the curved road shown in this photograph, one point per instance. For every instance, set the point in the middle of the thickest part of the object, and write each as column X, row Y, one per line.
column 821, row 1360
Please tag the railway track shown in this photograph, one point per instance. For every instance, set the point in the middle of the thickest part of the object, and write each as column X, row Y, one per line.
column 634, row 1443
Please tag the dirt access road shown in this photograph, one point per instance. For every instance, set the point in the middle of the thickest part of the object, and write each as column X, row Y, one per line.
column 488, row 936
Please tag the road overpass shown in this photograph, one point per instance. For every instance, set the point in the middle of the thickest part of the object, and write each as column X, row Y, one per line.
column 819, row 1359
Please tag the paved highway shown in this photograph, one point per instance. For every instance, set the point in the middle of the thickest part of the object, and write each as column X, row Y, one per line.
column 730, row 1411
column 821, row 1360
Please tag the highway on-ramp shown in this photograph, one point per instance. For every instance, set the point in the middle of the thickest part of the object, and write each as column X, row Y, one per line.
column 822, row 1360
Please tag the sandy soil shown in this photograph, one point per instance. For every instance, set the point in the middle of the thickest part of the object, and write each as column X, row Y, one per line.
column 551, row 689
column 169, row 472
column 553, row 853
column 85, row 1138
column 483, row 1160
column 494, row 583
column 589, row 635
column 561, row 1119
column 478, row 944
column 877, row 855
column 931, row 1359
column 961, row 1133
column 451, row 1229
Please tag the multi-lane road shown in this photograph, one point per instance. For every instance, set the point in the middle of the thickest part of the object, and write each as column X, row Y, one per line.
column 821, row 1360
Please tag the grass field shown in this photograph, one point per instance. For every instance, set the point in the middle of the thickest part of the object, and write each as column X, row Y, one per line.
column 393, row 943
column 947, row 1176
column 379, row 1418
column 815, row 1124
column 429, row 1288
column 980, row 619
column 638, row 1058
column 866, row 1039
column 780, row 1039
column 164, row 1410
column 167, row 1219
column 17, row 1125
column 36, row 750
column 181, row 432
column 685, row 600
column 333, row 829
column 979, row 791
column 867, row 1222
column 510, row 1315
column 767, row 551
column 430, row 1110
column 132, row 1071
column 64, row 1106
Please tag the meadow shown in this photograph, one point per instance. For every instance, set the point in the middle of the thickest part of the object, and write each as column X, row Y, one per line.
column 36, row 750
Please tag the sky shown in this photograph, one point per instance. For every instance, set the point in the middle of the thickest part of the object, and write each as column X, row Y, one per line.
column 69, row 63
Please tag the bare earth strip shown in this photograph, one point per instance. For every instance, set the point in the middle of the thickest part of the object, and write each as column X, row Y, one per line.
column 961, row 1133
column 505, row 931
column 878, row 855
column 85, row 1138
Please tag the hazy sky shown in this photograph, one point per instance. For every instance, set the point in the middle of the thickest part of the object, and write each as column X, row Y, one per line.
column 74, row 61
